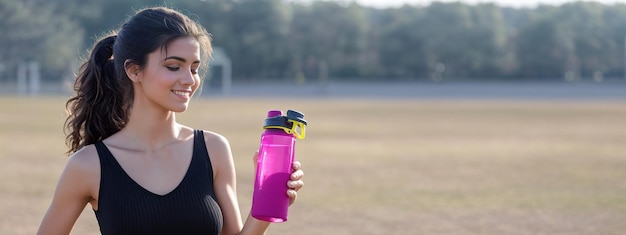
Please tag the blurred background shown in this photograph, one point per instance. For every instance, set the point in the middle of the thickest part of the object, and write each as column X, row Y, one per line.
column 425, row 117
column 322, row 45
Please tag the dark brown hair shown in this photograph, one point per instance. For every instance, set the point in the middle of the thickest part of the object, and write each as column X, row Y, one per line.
column 103, row 92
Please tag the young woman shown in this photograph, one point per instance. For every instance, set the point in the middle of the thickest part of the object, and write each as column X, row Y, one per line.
column 141, row 171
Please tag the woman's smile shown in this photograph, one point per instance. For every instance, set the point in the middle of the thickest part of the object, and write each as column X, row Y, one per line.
column 183, row 94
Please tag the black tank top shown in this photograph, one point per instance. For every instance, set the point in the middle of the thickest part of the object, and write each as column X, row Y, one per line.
column 125, row 207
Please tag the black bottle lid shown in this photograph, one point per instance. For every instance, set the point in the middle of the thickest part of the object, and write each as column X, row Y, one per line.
column 286, row 121
column 295, row 116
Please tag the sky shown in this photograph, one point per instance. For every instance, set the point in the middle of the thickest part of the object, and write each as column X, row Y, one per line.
column 508, row 3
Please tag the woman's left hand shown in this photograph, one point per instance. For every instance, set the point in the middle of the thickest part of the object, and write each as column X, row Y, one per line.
column 295, row 182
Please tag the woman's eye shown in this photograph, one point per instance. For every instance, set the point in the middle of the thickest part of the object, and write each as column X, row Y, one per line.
column 194, row 71
column 172, row 68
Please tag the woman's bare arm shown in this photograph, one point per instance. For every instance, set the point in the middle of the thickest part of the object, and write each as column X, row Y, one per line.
column 73, row 191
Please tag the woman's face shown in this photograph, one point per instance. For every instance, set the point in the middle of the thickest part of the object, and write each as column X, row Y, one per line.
column 170, row 76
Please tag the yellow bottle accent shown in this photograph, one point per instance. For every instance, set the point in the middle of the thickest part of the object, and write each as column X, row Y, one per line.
column 294, row 129
column 297, row 126
column 287, row 130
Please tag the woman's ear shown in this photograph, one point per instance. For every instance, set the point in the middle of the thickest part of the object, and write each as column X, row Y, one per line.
column 132, row 70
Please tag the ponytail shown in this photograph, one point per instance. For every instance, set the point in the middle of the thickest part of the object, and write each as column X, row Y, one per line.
column 100, row 106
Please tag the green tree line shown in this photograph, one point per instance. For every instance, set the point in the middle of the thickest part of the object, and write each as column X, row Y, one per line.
column 278, row 39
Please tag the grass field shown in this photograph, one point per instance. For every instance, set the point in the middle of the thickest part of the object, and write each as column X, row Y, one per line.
column 382, row 166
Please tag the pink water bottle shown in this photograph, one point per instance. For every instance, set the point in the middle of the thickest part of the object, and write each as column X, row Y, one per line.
column 276, row 155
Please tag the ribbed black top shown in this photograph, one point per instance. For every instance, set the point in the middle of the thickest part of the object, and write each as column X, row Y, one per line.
column 125, row 207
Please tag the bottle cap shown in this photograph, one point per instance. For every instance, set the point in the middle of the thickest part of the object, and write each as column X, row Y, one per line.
column 274, row 113
column 296, row 116
column 279, row 122
column 292, row 123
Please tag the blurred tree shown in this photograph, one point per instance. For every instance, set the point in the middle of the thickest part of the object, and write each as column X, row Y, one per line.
column 471, row 41
column 490, row 39
column 545, row 50
column 448, row 28
column 327, row 33
column 258, row 38
column 615, row 20
column 400, row 44
column 278, row 39
column 37, row 34
column 587, row 29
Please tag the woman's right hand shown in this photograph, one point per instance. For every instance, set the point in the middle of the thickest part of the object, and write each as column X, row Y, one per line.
column 295, row 183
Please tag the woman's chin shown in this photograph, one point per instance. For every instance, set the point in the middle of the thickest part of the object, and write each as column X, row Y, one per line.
column 179, row 108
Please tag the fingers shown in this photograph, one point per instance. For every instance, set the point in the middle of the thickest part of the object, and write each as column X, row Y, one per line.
column 255, row 158
column 297, row 172
column 294, row 186
column 296, row 165
column 293, row 195
column 296, row 175
column 295, row 183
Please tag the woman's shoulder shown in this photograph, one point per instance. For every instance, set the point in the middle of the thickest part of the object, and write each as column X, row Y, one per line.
column 82, row 171
column 218, row 147
column 85, row 159
column 211, row 137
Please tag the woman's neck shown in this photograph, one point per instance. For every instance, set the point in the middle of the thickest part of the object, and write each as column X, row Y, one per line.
column 150, row 129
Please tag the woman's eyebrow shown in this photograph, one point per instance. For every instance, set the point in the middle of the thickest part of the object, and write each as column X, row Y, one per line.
column 180, row 59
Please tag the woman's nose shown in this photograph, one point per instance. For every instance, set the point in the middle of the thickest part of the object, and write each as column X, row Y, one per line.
column 188, row 78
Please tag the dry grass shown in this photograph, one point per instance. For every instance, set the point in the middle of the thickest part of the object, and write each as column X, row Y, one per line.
column 383, row 166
